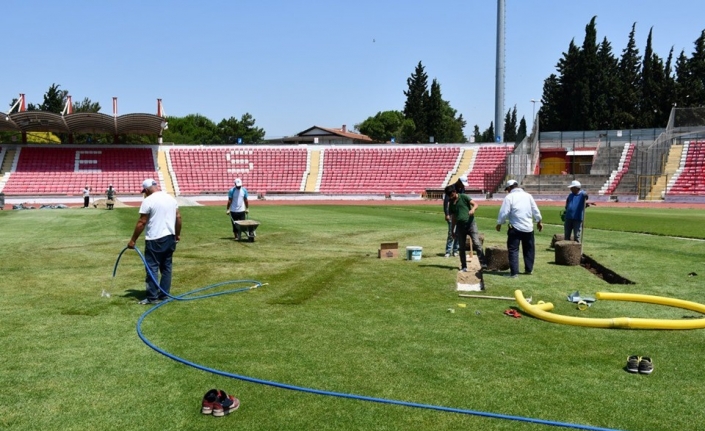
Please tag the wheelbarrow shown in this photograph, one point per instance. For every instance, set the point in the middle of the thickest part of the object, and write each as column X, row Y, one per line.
column 249, row 226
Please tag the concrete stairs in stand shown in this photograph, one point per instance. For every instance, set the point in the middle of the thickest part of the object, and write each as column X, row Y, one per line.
column 658, row 190
column 466, row 161
column 165, row 172
column 616, row 175
column 9, row 156
column 313, row 176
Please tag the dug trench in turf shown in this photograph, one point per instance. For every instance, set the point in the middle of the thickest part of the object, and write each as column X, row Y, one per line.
column 602, row 272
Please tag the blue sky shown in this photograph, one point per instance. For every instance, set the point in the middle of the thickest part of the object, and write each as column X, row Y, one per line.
column 295, row 64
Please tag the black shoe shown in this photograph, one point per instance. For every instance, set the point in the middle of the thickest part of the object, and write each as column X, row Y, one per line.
column 645, row 365
column 633, row 363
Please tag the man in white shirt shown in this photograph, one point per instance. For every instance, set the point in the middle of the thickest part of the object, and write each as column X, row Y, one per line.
column 520, row 209
column 159, row 215
column 238, row 207
column 86, row 196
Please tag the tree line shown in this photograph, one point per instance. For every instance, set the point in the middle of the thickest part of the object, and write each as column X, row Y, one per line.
column 594, row 90
column 428, row 118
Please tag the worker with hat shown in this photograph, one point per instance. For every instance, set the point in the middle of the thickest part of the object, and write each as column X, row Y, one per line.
column 160, row 220
column 238, row 207
column 520, row 209
column 575, row 205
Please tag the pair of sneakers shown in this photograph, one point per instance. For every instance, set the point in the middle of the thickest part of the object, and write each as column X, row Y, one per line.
column 218, row 403
column 640, row 364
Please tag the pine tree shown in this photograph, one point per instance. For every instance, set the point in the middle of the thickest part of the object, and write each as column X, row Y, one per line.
column 583, row 115
column 696, row 68
column 651, row 86
column 415, row 105
column 683, row 81
column 476, row 135
column 668, row 94
column 488, row 135
column 521, row 131
column 510, row 125
column 549, row 116
column 434, row 114
column 569, row 78
column 606, row 86
column 627, row 105
column 54, row 100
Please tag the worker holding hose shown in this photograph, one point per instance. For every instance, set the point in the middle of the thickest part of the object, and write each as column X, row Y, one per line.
column 160, row 217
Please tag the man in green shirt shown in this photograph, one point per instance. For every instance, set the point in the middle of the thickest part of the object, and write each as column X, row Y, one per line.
column 462, row 214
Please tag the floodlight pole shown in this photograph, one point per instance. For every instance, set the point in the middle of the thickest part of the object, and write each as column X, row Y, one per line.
column 499, row 75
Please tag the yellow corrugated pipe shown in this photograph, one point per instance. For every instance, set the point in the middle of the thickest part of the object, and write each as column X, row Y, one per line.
column 541, row 312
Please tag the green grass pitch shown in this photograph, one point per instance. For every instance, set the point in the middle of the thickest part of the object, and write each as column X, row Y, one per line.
column 334, row 317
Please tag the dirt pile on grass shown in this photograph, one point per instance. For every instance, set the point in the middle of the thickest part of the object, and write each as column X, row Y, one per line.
column 103, row 204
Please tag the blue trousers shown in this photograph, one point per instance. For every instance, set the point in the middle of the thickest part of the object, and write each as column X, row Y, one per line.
column 451, row 243
column 575, row 227
column 158, row 254
column 528, row 249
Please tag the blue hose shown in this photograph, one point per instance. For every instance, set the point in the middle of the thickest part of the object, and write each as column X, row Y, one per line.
column 188, row 296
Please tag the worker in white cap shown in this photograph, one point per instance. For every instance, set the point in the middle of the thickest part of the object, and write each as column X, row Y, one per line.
column 160, row 220
column 238, row 207
column 575, row 205
column 520, row 209
column 464, row 181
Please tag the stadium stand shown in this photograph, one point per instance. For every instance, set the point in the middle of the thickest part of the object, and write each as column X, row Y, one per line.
column 213, row 169
column 42, row 170
column 419, row 170
column 689, row 179
column 487, row 170
column 397, row 170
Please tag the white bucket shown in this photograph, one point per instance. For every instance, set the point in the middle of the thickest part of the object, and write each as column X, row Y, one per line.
column 414, row 253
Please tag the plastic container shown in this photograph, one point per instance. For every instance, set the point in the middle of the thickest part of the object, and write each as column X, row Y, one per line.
column 414, row 253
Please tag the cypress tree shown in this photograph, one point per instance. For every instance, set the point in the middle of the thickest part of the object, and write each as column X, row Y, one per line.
column 414, row 107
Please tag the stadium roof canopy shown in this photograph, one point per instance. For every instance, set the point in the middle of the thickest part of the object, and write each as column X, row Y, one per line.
column 82, row 122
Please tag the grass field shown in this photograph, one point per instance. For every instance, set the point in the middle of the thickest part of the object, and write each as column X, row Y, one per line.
column 334, row 317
